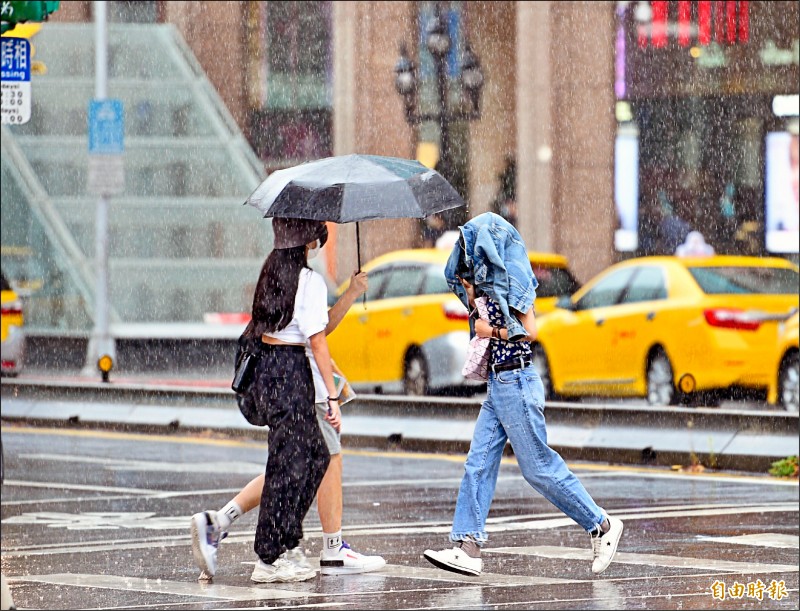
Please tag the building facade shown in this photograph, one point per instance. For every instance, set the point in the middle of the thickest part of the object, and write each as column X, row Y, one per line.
column 612, row 115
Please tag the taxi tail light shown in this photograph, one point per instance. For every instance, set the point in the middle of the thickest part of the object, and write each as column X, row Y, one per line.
column 731, row 319
column 12, row 308
column 455, row 310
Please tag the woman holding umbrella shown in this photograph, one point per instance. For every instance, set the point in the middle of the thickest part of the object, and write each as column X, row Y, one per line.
column 336, row 557
column 290, row 310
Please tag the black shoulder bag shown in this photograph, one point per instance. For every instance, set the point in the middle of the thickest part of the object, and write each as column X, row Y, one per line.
column 248, row 352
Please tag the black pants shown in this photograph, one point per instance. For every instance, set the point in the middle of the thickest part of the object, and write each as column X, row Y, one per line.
column 297, row 458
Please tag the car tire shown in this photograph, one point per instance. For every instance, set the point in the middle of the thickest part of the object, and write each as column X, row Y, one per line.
column 542, row 366
column 415, row 375
column 660, row 385
column 788, row 379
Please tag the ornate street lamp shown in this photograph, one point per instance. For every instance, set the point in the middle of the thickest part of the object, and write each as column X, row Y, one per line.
column 438, row 44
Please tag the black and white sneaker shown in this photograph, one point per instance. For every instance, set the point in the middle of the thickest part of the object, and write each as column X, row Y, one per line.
column 455, row 560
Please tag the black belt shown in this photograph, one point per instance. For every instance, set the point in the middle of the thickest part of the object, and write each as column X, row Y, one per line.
column 518, row 363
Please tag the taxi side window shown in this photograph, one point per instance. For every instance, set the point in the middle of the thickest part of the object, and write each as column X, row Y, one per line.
column 403, row 282
column 376, row 279
column 607, row 292
column 647, row 285
column 554, row 281
column 434, row 282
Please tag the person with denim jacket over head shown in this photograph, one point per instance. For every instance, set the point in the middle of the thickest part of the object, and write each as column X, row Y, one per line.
column 497, row 261
column 490, row 259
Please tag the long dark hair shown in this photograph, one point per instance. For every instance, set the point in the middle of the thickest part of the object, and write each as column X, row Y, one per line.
column 273, row 302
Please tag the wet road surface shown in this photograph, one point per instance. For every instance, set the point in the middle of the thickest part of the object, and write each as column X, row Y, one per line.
column 99, row 520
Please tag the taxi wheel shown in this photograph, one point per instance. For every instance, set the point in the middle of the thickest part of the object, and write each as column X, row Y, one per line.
column 660, row 387
column 543, row 369
column 415, row 376
column 789, row 377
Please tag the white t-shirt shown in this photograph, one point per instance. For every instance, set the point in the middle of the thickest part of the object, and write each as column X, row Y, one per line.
column 310, row 310
column 310, row 317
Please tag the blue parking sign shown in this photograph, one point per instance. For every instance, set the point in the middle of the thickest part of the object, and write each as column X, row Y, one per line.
column 106, row 127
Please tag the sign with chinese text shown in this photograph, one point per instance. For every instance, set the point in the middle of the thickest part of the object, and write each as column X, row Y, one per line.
column 16, row 81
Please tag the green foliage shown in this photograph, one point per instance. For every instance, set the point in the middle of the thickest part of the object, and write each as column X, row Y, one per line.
column 20, row 12
column 786, row 467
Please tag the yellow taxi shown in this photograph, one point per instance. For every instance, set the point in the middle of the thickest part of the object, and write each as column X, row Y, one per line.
column 783, row 389
column 411, row 334
column 11, row 331
column 668, row 329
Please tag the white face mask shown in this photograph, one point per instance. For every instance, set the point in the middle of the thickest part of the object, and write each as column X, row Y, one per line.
column 313, row 252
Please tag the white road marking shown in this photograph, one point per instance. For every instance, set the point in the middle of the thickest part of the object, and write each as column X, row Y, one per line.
column 761, row 540
column 379, row 529
column 57, row 486
column 122, row 464
column 683, row 562
column 162, row 586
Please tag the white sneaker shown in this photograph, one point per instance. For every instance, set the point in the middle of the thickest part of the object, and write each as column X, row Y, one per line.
column 206, row 535
column 348, row 562
column 280, row 571
column 604, row 547
column 298, row 556
column 455, row 560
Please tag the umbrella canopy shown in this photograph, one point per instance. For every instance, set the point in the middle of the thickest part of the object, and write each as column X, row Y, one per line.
column 353, row 188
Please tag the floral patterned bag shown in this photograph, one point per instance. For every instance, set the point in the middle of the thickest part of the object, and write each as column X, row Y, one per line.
column 477, row 364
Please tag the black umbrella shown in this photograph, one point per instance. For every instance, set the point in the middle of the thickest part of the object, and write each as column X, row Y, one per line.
column 354, row 188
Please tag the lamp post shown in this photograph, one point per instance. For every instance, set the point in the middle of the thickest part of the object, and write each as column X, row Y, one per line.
column 438, row 43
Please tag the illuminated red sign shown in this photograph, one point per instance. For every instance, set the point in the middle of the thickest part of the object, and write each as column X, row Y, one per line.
column 723, row 21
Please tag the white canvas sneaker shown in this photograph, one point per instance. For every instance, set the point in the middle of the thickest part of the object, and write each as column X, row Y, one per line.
column 455, row 560
column 280, row 571
column 348, row 562
column 604, row 547
column 206, row 535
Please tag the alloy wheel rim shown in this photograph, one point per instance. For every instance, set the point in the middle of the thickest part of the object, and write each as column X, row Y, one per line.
column 659, row 382
column 790, row 394
column 415, row 376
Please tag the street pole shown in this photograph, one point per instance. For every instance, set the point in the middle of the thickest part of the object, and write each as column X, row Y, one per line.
column 101, row 343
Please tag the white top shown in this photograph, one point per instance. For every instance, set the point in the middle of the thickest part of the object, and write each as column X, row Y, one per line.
column 310, row 310
column 310, row 317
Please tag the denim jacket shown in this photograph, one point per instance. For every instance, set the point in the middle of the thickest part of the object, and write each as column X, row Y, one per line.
column 497, row 259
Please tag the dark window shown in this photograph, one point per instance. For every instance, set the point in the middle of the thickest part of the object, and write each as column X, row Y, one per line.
column 746, row 280
column 294, row 121
column 554, row 281
column 403, row 282
column 647, row 285
column 608, row 291
column 4, row 285
column 291, row 135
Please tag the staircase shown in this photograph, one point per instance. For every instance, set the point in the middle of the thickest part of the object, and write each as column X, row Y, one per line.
column 181, row 244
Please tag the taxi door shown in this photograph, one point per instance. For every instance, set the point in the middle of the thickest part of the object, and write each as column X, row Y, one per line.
column 348, row 342
column 396, row 320
column 632, row 326
column 582, row 362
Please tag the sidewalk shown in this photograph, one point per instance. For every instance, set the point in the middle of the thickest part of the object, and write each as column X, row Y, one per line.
column 202, row 401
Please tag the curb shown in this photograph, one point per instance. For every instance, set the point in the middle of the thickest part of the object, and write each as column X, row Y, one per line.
column 719, row 439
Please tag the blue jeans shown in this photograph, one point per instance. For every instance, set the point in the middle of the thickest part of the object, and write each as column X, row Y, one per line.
column 514, row 410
